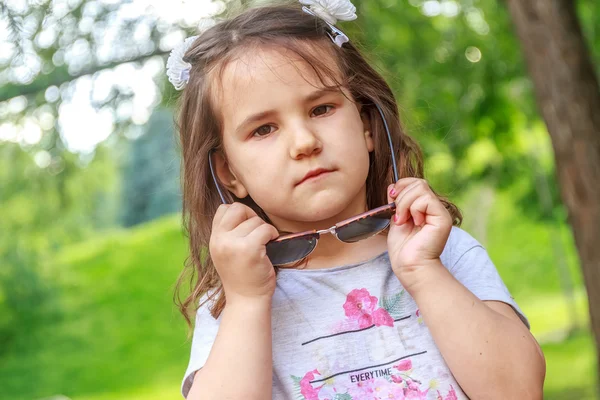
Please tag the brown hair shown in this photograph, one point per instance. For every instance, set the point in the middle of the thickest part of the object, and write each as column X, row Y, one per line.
column 285, row 26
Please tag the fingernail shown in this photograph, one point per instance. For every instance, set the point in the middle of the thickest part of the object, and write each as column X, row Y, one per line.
column 396, row 218
column 393, row 192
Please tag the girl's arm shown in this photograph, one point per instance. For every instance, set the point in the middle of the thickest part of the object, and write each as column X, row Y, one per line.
column 240, row 364
column 487, row 347
column 489, row 350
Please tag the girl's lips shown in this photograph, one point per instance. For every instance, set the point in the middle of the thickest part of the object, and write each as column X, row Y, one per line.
column 314, row 174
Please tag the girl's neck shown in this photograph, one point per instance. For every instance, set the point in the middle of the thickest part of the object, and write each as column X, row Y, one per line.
column 331, row 252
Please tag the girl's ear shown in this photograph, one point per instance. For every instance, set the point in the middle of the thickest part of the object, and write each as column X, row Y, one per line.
column 227, row 177
column 364, row 116
column 369, row 141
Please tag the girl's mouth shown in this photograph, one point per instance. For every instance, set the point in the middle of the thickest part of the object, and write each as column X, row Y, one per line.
column 314, row 174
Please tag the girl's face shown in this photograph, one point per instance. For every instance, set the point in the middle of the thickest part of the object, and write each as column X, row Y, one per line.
column 299, row 150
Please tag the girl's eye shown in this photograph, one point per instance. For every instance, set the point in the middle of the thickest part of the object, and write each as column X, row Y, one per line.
column 263, row 130
column 321, row 110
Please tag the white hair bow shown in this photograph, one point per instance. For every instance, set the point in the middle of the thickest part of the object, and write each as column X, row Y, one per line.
column 178, row 70
column 332, row 10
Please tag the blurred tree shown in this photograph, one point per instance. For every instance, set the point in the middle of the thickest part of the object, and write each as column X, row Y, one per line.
column 568, row 97
column 151, row 175
column 50, row 194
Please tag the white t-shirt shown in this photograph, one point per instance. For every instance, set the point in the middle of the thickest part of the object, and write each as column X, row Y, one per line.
column 352, row 332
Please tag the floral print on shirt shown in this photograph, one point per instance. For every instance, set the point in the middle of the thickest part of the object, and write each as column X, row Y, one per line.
column 399, row 385
column 361, row 307
column 362, row 310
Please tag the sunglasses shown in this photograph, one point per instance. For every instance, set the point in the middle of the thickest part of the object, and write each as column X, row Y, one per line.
column 291, row 248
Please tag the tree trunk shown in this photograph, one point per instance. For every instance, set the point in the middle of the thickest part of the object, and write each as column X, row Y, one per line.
column 568, row 97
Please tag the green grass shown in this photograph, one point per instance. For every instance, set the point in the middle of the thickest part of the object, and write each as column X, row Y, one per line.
column 570, row 355
column 527, row 253
column 550, row 317
column 571, row 370
column 120, row 337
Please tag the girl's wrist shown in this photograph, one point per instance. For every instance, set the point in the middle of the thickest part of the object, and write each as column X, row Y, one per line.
column 249, row 303
column 422, row 278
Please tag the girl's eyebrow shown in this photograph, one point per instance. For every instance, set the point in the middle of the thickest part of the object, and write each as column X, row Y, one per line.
column 317, row 94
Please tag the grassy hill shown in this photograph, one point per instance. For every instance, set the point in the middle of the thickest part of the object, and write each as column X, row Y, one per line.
column 119, row 336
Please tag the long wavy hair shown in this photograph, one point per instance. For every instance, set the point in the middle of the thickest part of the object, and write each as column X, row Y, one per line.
column 286, row 27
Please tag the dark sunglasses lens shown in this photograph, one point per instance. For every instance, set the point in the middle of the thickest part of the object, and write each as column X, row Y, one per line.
column 364, row 228
column 290, row 251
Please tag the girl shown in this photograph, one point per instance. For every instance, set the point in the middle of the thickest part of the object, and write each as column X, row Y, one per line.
column 285, row 128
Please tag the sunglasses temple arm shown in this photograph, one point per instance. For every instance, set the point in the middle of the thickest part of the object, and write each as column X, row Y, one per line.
column 212, row 172
column 389, row 136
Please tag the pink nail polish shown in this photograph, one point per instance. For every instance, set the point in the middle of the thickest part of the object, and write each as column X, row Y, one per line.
column 396, row 218
column 393, row 192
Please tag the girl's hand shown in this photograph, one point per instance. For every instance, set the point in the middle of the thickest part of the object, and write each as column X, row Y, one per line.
column 418, row 231
column 237, row 247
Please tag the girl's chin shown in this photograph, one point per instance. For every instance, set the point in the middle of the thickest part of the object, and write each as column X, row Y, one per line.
column 320, row 216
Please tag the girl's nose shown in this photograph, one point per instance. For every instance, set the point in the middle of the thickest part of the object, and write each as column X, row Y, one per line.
column 303, row 142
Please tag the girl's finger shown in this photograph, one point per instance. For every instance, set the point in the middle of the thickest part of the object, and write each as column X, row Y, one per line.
column 235, row 215
column 395, row 189
column 248, row 226
column 219, row 215
column 264, row 233
column 406, row 198
column 427, row 209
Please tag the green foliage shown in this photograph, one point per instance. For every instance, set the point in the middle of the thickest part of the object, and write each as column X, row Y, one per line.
column 119, row 329
column 42, row 209
column 571, row 370
column 524, row 250
column 588, row 12
column 392, row 304
column 463, row 91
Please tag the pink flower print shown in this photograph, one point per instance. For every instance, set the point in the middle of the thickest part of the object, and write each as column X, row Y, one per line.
column 412, row 392
column 404, row 365
column 309, row 392
column 412, row 386
column 388, row 390
column 419, row 317
column 360, row 306
column 376, row 389
column 396, row 379
column 451, row 394
column 382, row 317
column 359, row 302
